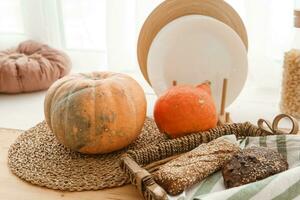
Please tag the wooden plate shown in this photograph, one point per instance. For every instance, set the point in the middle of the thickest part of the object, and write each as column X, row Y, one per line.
column 173, row 9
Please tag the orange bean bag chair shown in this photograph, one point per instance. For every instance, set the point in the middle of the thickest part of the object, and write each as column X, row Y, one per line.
column 31, row 66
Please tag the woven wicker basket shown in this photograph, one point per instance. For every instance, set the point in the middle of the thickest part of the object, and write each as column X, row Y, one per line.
column 139, row 164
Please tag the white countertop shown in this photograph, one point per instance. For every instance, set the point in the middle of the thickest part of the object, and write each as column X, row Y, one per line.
column 23, row 111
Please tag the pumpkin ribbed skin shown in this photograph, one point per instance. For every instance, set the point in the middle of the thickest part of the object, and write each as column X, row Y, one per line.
column 98, row 112
column 185, row 109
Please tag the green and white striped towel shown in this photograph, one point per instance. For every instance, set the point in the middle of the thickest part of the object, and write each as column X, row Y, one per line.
column 282, row 186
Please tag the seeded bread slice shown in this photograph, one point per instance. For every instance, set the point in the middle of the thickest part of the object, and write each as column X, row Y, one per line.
column 192, row 167
column 252, row 164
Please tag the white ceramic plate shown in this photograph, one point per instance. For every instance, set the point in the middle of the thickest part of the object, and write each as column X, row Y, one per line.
column 196, row 48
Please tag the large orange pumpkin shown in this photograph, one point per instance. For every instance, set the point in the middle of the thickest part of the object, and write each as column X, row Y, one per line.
column 185, row 109
column 96, row 112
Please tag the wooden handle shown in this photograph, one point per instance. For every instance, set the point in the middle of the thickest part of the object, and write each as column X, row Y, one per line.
column 273, row 127
column 227, row 117
column 223, row 100
column 142, row 179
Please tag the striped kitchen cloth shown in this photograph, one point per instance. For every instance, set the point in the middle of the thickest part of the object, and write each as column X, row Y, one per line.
column 282, row 186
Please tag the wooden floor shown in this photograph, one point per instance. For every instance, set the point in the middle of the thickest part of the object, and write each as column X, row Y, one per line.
column 13, row 188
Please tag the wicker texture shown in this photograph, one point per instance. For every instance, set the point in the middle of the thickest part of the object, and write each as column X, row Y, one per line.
column 38, row 158
column 153, row 153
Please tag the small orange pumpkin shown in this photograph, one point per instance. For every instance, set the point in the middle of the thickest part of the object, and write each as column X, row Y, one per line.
column 185, row 109
column 98, row 112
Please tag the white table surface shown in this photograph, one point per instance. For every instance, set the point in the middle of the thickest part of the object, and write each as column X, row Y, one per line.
column 23, row 111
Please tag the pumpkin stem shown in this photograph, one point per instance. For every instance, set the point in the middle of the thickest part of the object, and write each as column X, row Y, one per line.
column 207, row 82
column 174, row 83
column 205, row 86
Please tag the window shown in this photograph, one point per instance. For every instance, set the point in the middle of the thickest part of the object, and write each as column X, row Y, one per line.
column 102, row 34
column 84, row 24
column 11, row 17
column 269, row 25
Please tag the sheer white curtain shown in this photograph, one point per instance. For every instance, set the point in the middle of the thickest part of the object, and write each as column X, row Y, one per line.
column 269, row 24
column 270, row 31
column 97, row 34
column 11, row 23
column 125, row 20
column 102, row 34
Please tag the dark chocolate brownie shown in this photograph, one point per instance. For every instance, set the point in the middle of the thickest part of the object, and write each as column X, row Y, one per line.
column 252, row 164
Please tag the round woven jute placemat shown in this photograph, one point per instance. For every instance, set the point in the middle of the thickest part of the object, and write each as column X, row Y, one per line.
column 37, row 157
